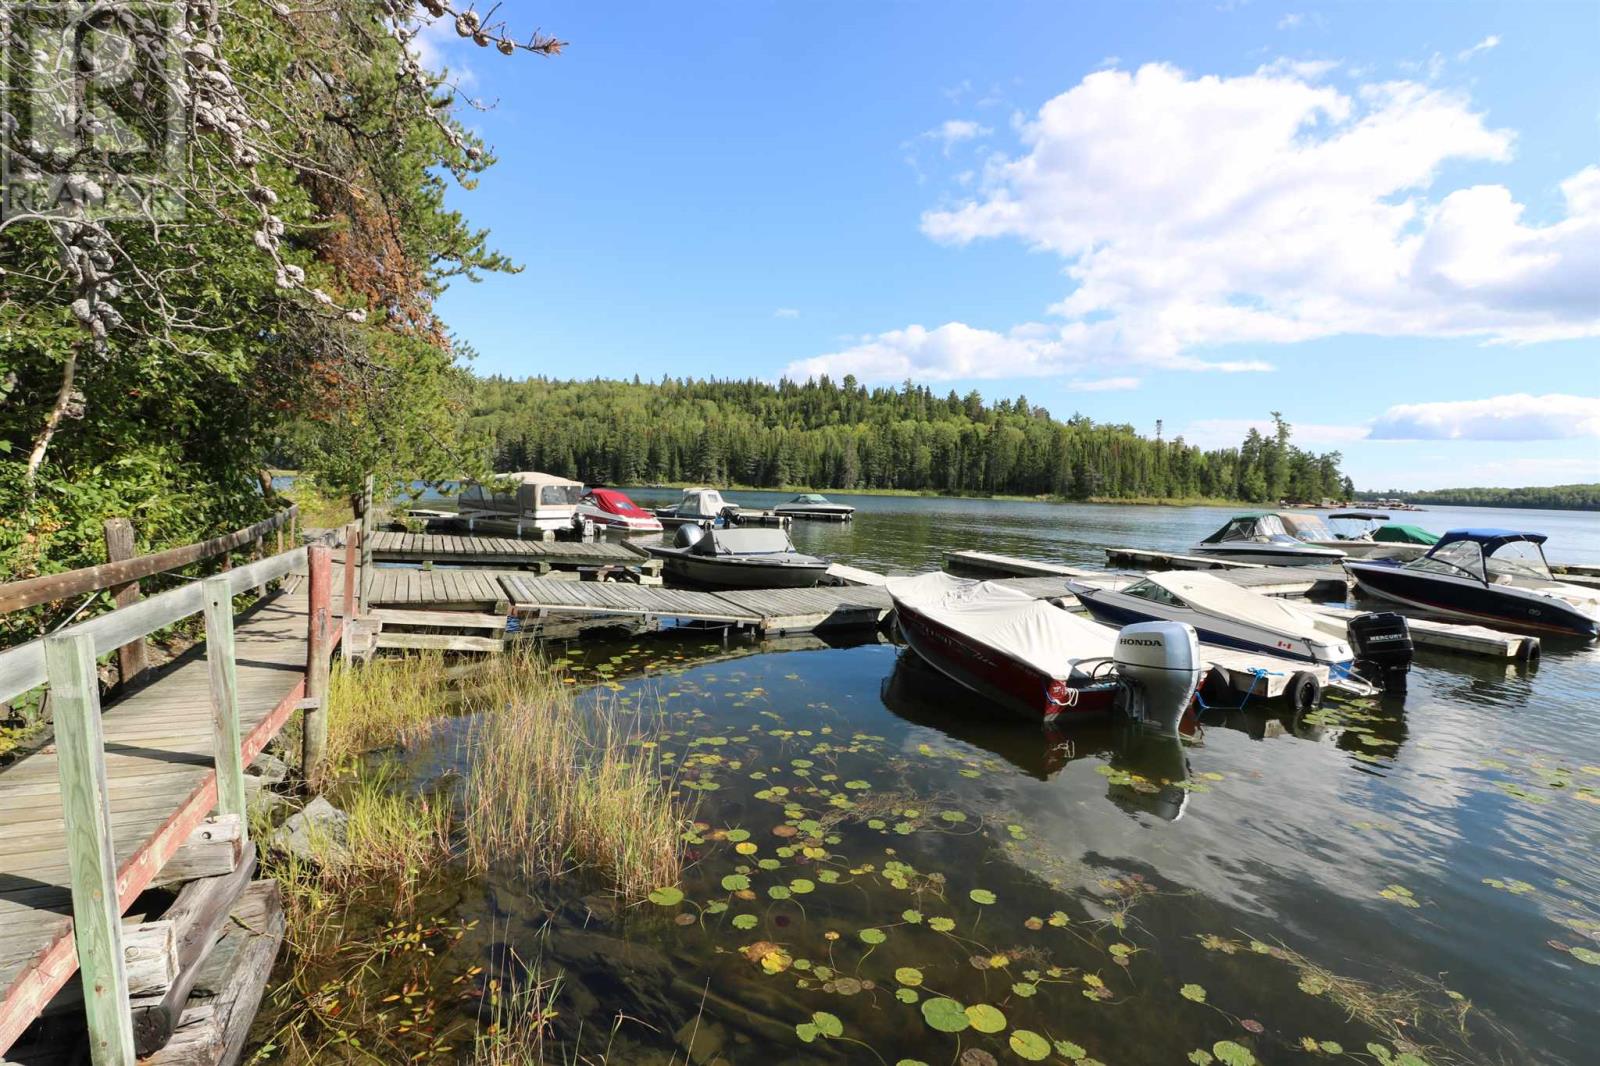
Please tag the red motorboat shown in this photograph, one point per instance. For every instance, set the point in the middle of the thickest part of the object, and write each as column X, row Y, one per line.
column 1026, row 654
column 611, row 509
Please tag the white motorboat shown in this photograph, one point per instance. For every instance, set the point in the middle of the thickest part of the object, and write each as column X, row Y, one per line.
column 816, row 508
column 528, row 500
column 1260, row 537
column 700, row 505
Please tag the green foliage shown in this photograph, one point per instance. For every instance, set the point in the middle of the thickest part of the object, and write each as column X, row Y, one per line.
column 1553, row 497
column 845, row 436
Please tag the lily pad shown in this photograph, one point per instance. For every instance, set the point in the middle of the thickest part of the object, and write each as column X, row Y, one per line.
column 945, row 1015
column 1029, row 1045
column 908, row 975
column 744, row 921
column 1194, row 992
column 800, row 886
column 735, row 882
column 941, row 925
column 1232, row 1054
column 827, row 1024
column 982, row 895
column 667, row 896
column 872, row 936
column 987, row 1019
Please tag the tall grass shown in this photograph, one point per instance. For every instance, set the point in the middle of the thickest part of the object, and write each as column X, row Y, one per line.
column 387, row 702
column 554, row 788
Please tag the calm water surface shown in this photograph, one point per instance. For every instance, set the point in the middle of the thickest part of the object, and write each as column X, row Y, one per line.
column 1377, row 877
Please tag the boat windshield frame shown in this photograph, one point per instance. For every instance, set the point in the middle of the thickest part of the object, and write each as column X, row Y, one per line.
column 1439, row 561
column 1145, row 589
column 1251, row 529
column 1514, row 567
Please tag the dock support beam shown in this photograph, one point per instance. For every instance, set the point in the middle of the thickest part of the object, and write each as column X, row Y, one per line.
column 366, row 543
column 86, row 812
column 222, row 666
column 319, row 636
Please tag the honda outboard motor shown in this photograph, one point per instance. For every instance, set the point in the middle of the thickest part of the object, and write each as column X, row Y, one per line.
column 688, row 535
column 1381, row 644
column 1159, row 664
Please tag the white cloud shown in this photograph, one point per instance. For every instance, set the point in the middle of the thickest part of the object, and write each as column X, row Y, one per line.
column 1304, row 69
column 1491, row 41
column 952, row 132
column 437, row 48
column 1103, row 384
column 1291, row 21
column 1198, row 212
column 1517, row 417
column 786, row 312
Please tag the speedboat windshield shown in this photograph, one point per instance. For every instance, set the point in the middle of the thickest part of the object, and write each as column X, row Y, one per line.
column 1149, row 590
column 1519, row 558
column 1306, row 527
column 1461, row 558
column 616, row 503
column 1253, row 527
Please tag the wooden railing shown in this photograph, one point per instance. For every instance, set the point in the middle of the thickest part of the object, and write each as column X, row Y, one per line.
column 66, row 661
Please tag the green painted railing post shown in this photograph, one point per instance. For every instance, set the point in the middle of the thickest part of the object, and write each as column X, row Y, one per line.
column 86, row 812
column 221, row 665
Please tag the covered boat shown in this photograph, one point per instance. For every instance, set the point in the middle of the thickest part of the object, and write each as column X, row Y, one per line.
column 1355, row 534
column 810, row 505
column 698, row 505
column 529, row 499
column 1495, row 576
column 737, row 559
column 611, row 509
column 1261, row 537
column 1025, row 654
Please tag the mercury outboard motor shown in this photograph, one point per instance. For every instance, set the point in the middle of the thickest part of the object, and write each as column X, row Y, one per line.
column 1159, row 664
column 1381, row 645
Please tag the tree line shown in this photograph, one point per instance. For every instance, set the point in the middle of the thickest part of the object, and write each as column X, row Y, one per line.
column 1548, row 497
column 843, row 435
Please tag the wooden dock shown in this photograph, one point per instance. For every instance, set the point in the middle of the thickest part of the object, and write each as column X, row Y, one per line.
column 507, row 552
column 1147, row 559
column 988, row 564
column 92, row 818
column 443, row 598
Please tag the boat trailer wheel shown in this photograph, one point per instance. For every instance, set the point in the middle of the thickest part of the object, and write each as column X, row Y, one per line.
column 1305, row 691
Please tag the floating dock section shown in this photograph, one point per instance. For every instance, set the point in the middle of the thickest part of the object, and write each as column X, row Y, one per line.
column 509, row 552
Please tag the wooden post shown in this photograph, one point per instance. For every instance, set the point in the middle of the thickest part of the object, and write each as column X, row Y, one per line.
column 86, row 812
column 132, row 657
column 366, row 544
column 222, row 666
column 318, row 637
column 352, row 546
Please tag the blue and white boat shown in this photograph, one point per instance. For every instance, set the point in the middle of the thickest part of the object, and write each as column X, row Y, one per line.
column 1493, row 576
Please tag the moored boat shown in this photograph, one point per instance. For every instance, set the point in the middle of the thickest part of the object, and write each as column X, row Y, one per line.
column 611, row 509
column 1260, row 537
column 528, row 500
column 1359, row 534
column 700, row 505
column 737, row 559
column 1495, row 576
column 816, row 508
column 1025, row 654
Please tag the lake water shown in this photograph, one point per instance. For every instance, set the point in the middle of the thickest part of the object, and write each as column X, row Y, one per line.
column 1376, row 880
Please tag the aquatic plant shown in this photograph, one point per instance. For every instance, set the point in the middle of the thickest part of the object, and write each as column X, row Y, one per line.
column 386, row 703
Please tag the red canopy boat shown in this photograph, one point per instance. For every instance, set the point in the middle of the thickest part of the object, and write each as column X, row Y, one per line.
column 611, row 509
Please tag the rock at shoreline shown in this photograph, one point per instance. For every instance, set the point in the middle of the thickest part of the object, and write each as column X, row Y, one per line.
column 318, row 834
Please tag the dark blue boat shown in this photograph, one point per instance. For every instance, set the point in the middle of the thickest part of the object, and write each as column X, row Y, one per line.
column 1491, row 576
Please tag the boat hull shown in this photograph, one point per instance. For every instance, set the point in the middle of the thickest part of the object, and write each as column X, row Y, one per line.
column 1268, row 555
column 1116, row 610
column 1018, row 687
column 1470, row 601
column 817, row 514
column 715, row 573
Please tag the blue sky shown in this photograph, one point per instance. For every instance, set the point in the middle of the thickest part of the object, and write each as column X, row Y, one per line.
column 1381, row 220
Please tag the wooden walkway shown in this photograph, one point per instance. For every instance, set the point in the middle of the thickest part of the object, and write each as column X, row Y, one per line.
column 509, row 552
column 162, row 784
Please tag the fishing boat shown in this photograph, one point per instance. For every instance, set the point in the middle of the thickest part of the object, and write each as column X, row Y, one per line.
column 1376, row 646
column 1260, row 537
column 813, row 507
column 1496, row 576
column 611, row 509
column 528, row 500
column 1041, row 662
column 728, row 558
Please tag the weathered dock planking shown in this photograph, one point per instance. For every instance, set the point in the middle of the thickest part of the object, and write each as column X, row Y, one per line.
column 1148, row 559
column 127, row 813
column 508, row 552
column 988, row 564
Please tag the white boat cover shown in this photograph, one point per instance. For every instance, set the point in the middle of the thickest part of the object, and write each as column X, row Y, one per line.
column 749, row 541
column 1031, row 630
column 1209, row 594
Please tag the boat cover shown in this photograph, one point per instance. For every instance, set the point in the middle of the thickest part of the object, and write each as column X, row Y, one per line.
column 745, row 541
column 1010, row 621
column 1212, row 595
column 1399, row 533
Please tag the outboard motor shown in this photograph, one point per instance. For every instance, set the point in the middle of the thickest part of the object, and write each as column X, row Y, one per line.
column 688, row 535
column 1381, row 644
column 730, row 515
column 1159, row 663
